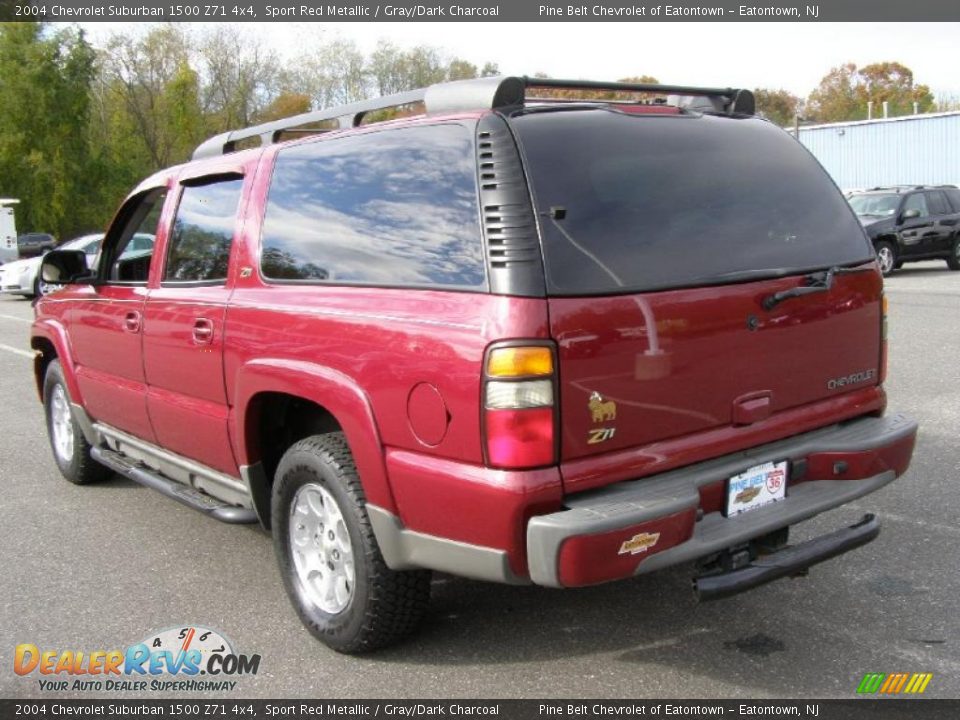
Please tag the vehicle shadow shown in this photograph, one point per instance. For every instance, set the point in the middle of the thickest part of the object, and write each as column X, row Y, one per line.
column 656, row 624
column 908, row 271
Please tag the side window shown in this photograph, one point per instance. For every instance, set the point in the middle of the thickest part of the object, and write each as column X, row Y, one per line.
column 390, row 207
column 138, row 218
column 916, row 201
column 199, row 247
column 937, row 203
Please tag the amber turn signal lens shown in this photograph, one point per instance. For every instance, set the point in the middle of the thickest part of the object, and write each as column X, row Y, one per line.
column 519, row 362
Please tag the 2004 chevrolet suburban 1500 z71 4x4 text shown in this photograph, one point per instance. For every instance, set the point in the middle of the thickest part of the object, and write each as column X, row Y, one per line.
column 510, row 338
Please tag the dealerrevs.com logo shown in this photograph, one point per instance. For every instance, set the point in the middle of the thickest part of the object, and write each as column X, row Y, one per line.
column 189, row 659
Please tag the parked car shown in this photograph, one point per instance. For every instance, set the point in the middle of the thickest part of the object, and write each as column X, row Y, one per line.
column 22, row 277
column 522, row 341
column 911, row 222
column 33, row 244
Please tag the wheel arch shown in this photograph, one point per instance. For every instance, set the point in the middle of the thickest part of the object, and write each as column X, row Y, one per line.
column 49, row 341
column 278, row 402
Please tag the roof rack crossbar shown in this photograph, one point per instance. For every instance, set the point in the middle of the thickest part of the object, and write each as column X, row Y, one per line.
column 489, row 93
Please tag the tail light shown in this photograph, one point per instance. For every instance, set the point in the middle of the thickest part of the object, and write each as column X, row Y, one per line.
column 519, row 406
column 883, row 338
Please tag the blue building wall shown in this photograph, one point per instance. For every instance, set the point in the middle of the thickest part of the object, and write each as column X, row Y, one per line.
column 920, row 149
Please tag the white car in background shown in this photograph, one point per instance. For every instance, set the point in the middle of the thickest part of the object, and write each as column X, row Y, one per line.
column 22, row 277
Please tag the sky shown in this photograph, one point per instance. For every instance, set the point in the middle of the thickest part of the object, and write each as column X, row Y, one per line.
column 793, row 56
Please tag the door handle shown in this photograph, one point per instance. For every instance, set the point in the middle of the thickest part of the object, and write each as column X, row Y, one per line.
column 131, row 321
column 203, row 331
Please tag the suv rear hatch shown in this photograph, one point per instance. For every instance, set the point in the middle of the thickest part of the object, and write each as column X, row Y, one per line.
column 663, row 235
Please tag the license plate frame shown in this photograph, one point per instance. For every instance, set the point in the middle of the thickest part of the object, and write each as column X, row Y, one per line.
column 756, row 487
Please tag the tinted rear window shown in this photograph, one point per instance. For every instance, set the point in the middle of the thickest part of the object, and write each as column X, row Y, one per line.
column 650, row 202
column 394, row 207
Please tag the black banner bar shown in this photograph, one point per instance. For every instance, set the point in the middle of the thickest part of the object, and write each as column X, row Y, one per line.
column 191, row 709
column 478, row 10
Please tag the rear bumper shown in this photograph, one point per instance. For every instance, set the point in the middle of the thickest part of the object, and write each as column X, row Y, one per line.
column 639, row 526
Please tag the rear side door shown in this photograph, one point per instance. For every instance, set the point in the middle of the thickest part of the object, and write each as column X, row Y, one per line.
column 106, row 319
column 944, row 221
column 183, row 328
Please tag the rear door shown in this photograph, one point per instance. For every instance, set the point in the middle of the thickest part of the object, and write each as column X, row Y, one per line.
column 184, row 325
column 663, row 237
column 944, row 221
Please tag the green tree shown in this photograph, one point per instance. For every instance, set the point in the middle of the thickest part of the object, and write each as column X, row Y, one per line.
column 45, row 78
column 777, row 106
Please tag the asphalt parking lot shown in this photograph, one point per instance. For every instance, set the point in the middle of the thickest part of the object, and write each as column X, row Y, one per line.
column 100, row 567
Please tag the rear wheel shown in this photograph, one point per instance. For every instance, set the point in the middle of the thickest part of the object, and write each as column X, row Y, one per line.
column 332, row 568
column 953, row 262
column 71, row 451
column 887, row 257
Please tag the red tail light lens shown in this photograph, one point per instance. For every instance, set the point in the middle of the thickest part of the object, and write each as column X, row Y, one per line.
column 520, row 438
column 518, row 406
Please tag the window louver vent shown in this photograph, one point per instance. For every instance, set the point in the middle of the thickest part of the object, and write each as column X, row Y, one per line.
column 508, row 223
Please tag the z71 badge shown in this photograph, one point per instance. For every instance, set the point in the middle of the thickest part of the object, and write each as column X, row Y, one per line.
column 599, row 435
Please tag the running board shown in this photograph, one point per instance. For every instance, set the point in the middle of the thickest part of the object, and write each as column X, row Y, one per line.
column 190, row 497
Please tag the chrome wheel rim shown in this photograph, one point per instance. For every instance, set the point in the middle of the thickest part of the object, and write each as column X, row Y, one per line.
column 61, row 424
column 886, row 259
column 321, row 549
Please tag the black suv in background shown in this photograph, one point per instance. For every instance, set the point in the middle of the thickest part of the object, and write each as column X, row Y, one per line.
column 911, row 222
column 33, row 244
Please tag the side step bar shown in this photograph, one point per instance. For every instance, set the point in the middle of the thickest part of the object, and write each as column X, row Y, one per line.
column 790, row 561
column 181, row 493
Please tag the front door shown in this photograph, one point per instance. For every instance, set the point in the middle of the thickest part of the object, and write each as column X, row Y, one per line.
column 184, row 326
column 106, row 319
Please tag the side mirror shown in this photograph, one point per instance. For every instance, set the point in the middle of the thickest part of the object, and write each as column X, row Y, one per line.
column 65, row 267
column 910, row 214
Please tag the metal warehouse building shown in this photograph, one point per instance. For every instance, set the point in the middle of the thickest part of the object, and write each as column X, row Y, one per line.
column 916, row 149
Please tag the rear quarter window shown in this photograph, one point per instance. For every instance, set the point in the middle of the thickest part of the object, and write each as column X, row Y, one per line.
column 392, row 207
column 632, row 202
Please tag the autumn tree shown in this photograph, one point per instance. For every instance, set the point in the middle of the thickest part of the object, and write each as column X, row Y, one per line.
column 844, row 92
column 777, row 106
column 240, row 77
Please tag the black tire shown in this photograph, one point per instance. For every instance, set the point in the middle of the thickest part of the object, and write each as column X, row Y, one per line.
column 78, row 466
column 887, row 257
column 953, row 262
column 384, row 605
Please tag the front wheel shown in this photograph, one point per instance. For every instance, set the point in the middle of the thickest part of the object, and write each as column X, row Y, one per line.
column 887, row 257
column 71, row 451
column 332, row 568
column 953, row 262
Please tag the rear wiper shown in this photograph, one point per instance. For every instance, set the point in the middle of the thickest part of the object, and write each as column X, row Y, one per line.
column 820, row 281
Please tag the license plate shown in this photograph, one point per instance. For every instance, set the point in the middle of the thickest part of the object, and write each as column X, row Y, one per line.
column 754, row 488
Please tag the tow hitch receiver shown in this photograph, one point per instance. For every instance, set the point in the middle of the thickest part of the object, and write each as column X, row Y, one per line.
column 793, row 560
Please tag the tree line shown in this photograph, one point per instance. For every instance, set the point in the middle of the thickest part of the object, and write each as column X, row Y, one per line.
column 80, row 126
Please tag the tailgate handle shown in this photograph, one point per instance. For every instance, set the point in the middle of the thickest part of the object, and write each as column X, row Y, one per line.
column 752, row 407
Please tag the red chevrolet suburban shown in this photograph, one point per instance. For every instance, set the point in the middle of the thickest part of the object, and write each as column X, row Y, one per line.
column 516, row 337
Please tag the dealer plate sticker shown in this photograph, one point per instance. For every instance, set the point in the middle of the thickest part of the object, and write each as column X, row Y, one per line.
column 760, row 485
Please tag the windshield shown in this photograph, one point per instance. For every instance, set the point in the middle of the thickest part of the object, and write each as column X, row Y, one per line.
column 879, row 204
column 633, row 202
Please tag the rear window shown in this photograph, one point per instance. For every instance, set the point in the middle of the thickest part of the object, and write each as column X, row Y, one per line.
column 631, row 202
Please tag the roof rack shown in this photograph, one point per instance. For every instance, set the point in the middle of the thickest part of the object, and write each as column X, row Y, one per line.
column 490, row 93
